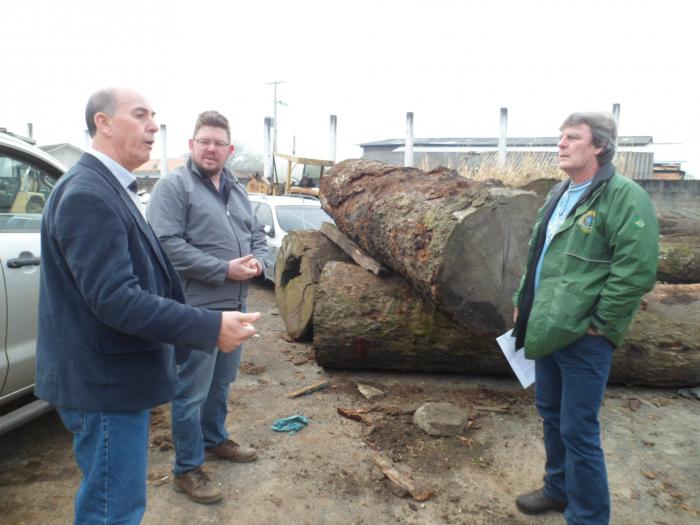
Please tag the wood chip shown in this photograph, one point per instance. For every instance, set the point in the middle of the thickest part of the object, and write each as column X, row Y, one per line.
column 402, row 479
column 308, row 389
column 649, row 475
column 502, row 408
column 355, row 415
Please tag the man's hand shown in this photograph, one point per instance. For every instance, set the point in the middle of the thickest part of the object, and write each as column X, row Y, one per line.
column 256, row 265
column 243, row 268
column 515, row 314
column 592, row 330
column 236, row 327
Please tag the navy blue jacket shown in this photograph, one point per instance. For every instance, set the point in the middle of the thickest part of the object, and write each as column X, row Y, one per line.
column 110, row 303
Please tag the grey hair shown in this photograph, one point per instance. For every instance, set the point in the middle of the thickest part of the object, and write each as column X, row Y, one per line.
column 102, row 101
column 603, row 128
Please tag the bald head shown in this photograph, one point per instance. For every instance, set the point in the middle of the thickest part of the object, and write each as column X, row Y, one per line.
column 122, row 126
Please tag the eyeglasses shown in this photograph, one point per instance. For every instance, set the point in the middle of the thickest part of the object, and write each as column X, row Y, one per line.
column 206, row 143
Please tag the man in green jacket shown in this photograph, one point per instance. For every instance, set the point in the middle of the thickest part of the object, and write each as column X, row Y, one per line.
column 593, row 255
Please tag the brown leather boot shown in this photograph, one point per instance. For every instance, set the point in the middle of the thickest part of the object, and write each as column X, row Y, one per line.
column 197, row 486
column 232, row 451
column 537, row 502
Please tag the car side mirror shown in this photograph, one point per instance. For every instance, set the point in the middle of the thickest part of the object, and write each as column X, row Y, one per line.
column 269, row 230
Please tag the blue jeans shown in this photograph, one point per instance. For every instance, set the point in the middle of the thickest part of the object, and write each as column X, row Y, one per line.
column 111, row 449
column 569, row 392
column 200, row 405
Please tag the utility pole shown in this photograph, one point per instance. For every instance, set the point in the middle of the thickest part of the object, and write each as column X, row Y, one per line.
column 275, row 101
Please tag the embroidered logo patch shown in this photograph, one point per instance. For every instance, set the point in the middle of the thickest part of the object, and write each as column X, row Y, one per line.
column 586, row 222
column 639, row 224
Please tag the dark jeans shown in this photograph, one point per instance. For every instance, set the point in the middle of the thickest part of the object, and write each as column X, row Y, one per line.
column 569, row 392
column 111, row 449
column 201, row 404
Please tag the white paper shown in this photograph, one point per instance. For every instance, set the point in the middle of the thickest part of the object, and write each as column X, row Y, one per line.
column 524, row 368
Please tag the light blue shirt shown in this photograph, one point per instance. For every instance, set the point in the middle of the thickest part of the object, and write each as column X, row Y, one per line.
column 120, row 172
column 566, row 203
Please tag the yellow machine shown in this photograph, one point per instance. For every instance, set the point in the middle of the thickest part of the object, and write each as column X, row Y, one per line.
column 303, row 175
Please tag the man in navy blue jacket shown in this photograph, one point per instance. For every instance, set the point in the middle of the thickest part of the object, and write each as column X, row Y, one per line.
column 111, row 308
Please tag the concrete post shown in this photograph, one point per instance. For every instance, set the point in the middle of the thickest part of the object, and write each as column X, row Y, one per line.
column 267, row 152
column 616, row 114
column 408, row 149
column 503, row 138
column 333, row 134
column 30, row 130
column 616, row 117
column 163, row 151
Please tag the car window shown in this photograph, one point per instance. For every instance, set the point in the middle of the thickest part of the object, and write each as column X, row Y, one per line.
column 301, row 217
column 263, row 214
column 24, row 190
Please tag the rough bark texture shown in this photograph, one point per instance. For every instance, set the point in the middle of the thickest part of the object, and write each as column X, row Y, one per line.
column 365, row 321
column 370, row 322
column 461, row 243
column 297, row 269
column 662, row 347
column 679, row 259
column 678, row 225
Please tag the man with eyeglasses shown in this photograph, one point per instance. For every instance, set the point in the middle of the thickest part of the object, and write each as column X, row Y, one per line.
column 204, row 220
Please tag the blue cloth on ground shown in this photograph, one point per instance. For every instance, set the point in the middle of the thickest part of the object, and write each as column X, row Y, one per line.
column 291, row 424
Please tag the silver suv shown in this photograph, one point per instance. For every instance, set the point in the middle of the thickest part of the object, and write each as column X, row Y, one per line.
column 281, row 214
column 27, row 176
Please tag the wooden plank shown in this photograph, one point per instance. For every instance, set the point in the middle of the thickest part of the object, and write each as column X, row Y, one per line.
column 309, row 388
column 353, row 250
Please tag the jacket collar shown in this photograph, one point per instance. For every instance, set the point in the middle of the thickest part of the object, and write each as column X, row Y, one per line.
column 227, row 179
column 93, row 162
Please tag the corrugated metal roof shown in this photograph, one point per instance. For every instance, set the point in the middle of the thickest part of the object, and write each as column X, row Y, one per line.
column 492, row 142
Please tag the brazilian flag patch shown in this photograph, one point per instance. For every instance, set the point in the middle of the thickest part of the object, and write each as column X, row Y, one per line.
column 639, row 224
column 585, row 222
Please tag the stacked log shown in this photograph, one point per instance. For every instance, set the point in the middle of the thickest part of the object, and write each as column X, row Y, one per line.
column 362, row 321
column 365, row 321
column 662, row 346
column 460, row 243
column 457, row 248
column 297, row 270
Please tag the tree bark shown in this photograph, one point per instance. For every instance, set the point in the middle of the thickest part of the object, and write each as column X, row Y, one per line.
column 460, row 243
column 679, row 259
column 365, row 321
column 662, row 346
column 297, row 269
column 362, row 321
column 678, row 225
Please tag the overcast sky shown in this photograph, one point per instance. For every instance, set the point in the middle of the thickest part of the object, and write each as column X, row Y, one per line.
column 453, row 63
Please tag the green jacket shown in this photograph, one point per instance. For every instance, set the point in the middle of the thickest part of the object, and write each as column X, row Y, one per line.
column 596, row 269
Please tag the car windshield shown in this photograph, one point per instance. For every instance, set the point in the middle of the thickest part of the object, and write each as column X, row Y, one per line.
column 293, row 217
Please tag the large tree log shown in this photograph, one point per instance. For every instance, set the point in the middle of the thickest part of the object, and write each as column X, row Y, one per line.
column 679, row 259
column 365, row 321
column 297, row 269
column 461, row 243
column 662, row 346
column 369, row 322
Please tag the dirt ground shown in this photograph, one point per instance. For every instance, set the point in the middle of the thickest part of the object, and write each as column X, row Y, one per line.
column 325, row 473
